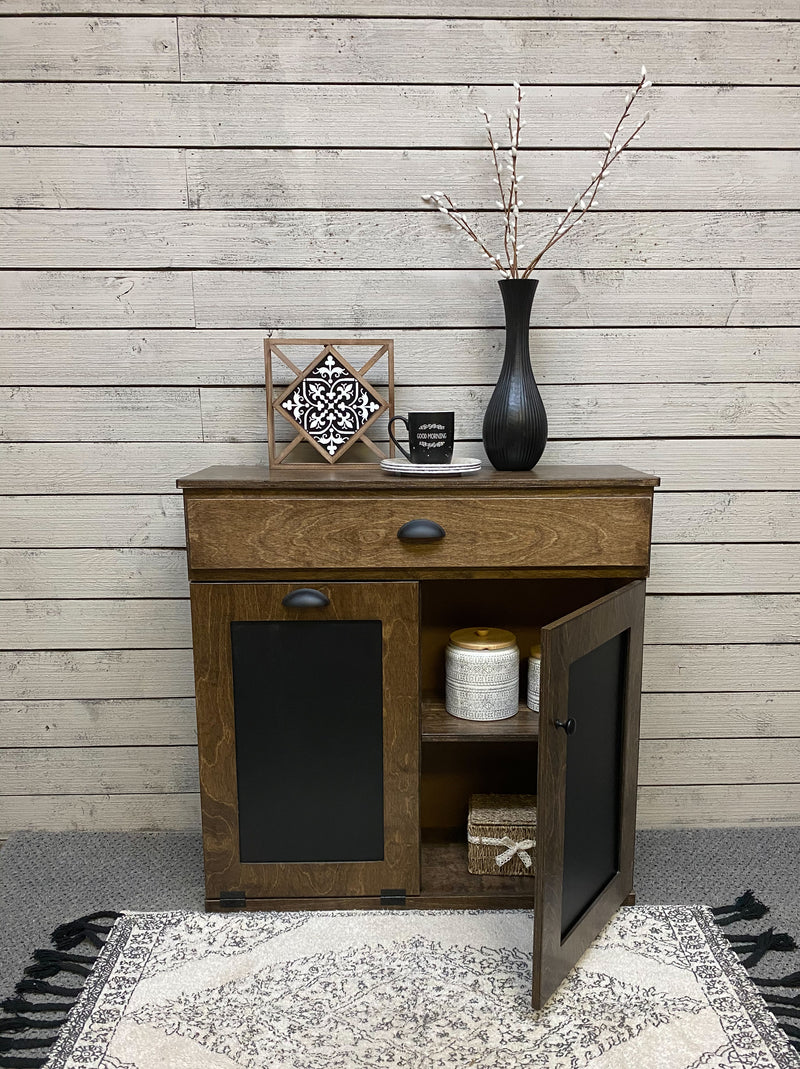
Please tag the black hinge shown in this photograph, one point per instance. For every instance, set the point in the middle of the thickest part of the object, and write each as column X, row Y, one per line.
column 394, row 896
column 232, row 899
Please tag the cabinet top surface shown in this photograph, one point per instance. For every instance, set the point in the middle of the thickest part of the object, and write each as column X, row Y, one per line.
column 370, row 477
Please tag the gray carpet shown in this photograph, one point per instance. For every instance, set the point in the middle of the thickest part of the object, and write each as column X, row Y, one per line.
column 47, row 879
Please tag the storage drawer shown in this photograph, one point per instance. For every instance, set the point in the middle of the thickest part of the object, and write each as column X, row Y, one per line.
column 300, row 532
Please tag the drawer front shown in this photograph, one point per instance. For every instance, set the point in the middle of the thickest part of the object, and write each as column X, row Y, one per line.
column 297, row 532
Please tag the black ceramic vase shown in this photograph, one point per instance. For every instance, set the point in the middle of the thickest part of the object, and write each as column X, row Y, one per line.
column 515, row 424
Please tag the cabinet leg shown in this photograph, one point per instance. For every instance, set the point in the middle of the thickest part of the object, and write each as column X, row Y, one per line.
column 630, row 900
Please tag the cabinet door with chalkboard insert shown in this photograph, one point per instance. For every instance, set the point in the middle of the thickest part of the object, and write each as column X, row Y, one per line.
column 307, row 704
column 588, row 753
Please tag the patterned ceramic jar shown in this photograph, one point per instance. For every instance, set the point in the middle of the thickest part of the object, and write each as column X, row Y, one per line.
column 534, row 677
column 482, row 674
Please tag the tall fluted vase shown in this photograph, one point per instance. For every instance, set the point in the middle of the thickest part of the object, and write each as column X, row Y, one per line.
column 515, row 424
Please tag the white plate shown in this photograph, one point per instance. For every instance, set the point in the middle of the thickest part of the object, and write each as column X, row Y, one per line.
column 458, row 466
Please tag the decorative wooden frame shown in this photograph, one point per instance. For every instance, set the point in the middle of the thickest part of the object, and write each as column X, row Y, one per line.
column 273, row 350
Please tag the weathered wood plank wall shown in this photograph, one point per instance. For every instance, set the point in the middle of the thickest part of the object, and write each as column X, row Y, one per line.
column 179, row 176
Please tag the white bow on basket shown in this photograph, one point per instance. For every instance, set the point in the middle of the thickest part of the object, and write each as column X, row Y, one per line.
column 512, row 849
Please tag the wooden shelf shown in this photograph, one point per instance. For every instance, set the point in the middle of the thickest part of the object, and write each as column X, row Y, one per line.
column 446, row 881
column 439, row 726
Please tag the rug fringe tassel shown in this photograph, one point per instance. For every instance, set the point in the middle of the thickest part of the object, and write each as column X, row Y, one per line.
column 792, row 980
column 46, row 964
column 21, row 1024
column 781, row 1000
column 756, row 946
column 21, row 1063
column 746, row 908
column 67, row 936
column 24, row 1005
column 41, row 987
column 752, row 949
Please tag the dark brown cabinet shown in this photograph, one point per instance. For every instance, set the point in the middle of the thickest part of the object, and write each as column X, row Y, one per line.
column 331, row 774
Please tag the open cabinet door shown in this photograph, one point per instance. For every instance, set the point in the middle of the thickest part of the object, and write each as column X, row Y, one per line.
column 588, row 758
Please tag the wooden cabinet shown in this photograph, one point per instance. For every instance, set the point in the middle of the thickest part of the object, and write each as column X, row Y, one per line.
column 331, row 774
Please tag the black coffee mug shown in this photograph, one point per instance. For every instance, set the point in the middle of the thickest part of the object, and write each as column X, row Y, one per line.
column 430, row 437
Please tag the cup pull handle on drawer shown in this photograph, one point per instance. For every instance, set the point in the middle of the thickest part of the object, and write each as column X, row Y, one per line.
column 421, row 531
column 306, row 598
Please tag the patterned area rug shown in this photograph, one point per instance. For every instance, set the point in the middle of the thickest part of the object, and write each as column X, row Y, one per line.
column 660, row 987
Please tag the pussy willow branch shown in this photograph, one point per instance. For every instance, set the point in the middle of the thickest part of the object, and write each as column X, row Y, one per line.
column 452, row 213
column 514, row 195
column 612, row 153
column 504, row 206
column 510, row 203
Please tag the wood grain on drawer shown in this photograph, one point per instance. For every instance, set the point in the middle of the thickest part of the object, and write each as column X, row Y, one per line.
column 241, row 531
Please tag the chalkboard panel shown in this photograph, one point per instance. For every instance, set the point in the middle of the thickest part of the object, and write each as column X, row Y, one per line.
column 592, row 803
column 308, row 710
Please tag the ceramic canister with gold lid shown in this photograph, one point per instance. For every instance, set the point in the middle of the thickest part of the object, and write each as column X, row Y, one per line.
column 482, row 674
column 534, row 676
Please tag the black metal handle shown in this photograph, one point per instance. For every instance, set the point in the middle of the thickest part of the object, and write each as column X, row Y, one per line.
column 569, row 727
column 421, row 531
column 306, row 598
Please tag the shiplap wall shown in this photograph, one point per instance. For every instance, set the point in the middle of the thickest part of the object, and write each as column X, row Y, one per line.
column 178, row 176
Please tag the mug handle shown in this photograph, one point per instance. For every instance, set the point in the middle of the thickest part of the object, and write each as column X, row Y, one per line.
column 403, row 419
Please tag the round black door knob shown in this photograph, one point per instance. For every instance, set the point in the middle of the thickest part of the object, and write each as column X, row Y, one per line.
column 421, row 531
column 569, row 727
column 306, row 598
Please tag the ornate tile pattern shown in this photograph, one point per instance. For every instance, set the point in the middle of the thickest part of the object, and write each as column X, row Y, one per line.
column 331, row 404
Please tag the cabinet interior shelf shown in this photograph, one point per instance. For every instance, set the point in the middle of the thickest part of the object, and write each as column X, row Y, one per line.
column 444, row 876
column 439, row 726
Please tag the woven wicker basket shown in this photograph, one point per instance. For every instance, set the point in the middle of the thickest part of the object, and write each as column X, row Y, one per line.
column 494, row 818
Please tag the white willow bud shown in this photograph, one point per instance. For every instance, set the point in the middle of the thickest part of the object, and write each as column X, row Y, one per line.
column 628, row 98
column 513, row 151
column 636, row 137
column 647, row 85
column 644, row 71
column 516, row 85
column 583, row 204
column 646, row 116
column 427, row 197
column 607, row 136
column 499, row 204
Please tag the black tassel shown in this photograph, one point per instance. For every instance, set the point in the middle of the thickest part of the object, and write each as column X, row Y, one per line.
column 10, row 1062
column 791, row 1030
column 782, row 1000
column 82, row 922
column 756, row 946
column 48, row 963
column 21, row 1024
column 62, row 957
column 23, row 1005
column 746, row 908
column 67, row 936
column 41, row 987
column 44, row 970
column 14, row 1043
column 786, row 1011
column 792, row 980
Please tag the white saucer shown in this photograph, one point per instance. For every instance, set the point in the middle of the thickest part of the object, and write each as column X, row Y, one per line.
column 458, row 466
